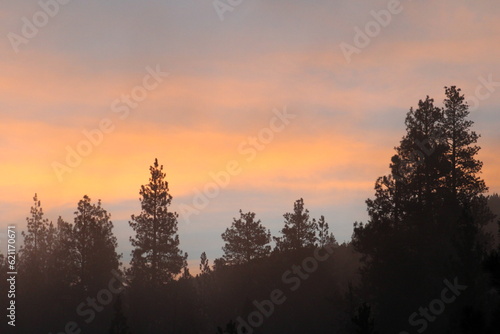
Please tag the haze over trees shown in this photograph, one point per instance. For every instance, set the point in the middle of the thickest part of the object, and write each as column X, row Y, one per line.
column 59, row 264
column 427, row 260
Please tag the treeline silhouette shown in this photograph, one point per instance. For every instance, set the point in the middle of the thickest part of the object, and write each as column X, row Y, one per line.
column 427, row 260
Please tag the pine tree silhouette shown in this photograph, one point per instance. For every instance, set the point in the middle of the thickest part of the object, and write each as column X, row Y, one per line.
column 299, row 231
column 156, row 257
column 247, row 239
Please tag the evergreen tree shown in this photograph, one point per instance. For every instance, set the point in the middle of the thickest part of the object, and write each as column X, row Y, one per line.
column 299, row 231
column 185, row 273
column 426, row 217
column 35, row 252
column 95, row 245
column 203, row 282
column 219, row 264
column 245, row 240
column 463, row 180
column 419, row 167
column 204, row 266
column 64, row 256
column 61, row 295
column 324, row 235
column 156, row 258
column 38, row 276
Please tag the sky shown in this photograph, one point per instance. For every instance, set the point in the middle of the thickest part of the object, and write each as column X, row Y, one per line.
column 248, row 104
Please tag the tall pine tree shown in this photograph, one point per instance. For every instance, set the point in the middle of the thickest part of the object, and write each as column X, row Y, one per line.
column 425, row 220
column 35, row 252
column 463, row 179
column 34, row 269
column 156, row 258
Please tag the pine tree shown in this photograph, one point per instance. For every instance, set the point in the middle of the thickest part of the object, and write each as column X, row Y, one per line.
column 426, row 216
column 419, row 167
column 203, row 282
column 36, row 250
column 95, row 245
column 156, row 258
column 204, row 266
column 219, row 264
column 36, row 270
column 324, row 235
column 463, row 180
column 185, row 273
column 245, row 240
column 299, row 231
column 64, row 256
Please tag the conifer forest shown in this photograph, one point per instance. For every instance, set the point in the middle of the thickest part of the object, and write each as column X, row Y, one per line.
column 249, row 167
